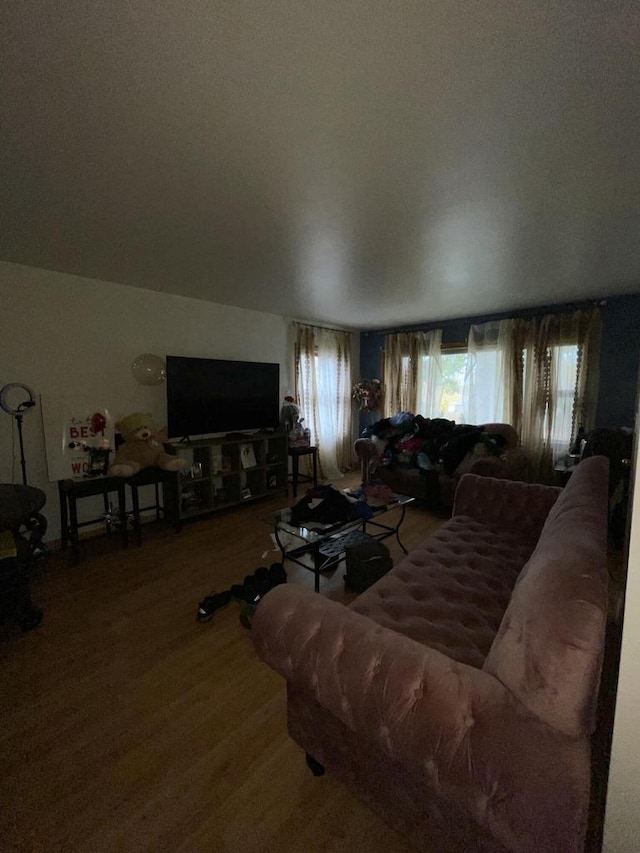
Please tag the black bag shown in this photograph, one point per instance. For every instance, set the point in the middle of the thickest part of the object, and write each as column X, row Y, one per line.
column 366, row 564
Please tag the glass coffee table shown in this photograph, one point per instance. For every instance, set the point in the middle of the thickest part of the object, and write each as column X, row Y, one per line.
column 321, row 547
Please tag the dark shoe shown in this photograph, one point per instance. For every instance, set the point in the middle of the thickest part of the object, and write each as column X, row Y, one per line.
column 246, row 614
column 261, row 580
column 277, row 575
column 237, row 592
column 211, row 603
column 251, row 592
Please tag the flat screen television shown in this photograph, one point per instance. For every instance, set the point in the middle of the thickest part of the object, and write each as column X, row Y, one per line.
column 206, row 396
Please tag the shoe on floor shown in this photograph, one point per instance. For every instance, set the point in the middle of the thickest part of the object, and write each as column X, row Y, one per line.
column 211, row 603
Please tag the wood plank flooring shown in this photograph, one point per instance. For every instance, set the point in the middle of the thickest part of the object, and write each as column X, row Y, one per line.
column 126, row 725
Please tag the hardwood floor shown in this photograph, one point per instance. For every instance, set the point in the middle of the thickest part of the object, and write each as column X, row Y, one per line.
column 126, row 725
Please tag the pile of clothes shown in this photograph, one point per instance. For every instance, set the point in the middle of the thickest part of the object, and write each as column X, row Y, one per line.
column 429, row 443
column 326, row 505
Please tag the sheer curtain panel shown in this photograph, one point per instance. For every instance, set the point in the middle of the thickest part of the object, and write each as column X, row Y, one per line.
column 493, row 376
column 412, row 374
column 323, row 389
column 561, row 372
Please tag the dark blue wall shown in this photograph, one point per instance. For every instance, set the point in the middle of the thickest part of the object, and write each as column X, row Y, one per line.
column 619, row 360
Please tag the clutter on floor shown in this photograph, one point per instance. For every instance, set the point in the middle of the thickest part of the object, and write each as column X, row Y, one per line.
column 248, row 594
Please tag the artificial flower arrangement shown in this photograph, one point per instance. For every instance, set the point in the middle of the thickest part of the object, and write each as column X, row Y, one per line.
column 368, row 394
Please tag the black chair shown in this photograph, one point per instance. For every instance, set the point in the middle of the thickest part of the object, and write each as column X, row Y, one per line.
column 617, row 445
column 22, row 527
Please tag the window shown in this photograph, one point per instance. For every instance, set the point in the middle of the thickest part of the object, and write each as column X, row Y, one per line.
column 472, row 386
column 538, row 374
column 323, row 387
column 564, row 361
column 454, row 368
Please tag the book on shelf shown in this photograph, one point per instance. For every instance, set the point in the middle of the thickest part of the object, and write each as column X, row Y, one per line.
column 248, row 456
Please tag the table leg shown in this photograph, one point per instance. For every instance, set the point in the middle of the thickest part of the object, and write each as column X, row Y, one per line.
column 316, row 568
column 73, row 530
column 135, row 502
column 315, row 467
column 64, row 520
column 280, row 545
column 159, row 510
column 294, row 473
column 122, row 513
column 389, row 530
column 107, row 511
column 404, row 509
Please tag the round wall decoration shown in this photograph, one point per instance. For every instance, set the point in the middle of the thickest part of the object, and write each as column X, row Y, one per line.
column 149, row 369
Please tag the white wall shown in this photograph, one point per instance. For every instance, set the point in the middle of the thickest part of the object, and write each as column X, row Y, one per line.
column 622, row 818
column 63, row 334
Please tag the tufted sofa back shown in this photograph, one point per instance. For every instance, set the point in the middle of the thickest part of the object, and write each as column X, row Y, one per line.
column 502, row 506
column 451, row 592
column 548, row 651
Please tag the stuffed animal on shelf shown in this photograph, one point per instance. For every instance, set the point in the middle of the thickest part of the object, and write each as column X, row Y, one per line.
column 292, row 423
column 289, row 414
column 141, row 449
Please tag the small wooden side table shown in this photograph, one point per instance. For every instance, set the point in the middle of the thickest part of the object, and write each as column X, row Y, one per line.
column 70, row 491
column 149, row 477
column 295, row 453
column 564, row 468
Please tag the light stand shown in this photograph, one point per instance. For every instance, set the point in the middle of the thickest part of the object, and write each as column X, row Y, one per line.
column 19, row 418
column 18, row 413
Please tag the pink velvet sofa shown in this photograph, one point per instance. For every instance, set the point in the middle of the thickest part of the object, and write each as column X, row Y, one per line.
column 457, row 695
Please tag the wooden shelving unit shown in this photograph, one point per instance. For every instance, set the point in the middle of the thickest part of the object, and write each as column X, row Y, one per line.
column 224, row 472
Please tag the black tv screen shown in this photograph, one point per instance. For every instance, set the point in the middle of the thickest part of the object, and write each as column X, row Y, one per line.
column 206, row 395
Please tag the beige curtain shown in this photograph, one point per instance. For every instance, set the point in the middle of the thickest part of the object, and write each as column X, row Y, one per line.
column 494, row 370
column 412, row 375
column 561, row 371
column 323, row 390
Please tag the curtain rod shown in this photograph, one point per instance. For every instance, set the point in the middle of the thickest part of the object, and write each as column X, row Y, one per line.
column 325, row 328
column 505, row 315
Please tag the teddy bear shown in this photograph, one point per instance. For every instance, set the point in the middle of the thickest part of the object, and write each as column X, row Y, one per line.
column 289, row 415
column 140, row 448
column 291, row 422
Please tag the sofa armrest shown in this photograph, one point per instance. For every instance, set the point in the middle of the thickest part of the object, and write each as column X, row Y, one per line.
column 517, row 460
column 509, row 505
column 457, row 726
column 367, row 452
column 413, row 701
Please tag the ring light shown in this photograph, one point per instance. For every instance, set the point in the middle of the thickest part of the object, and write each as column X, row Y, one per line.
column 24, row 406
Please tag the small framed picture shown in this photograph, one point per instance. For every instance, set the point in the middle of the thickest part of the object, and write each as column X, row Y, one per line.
column 245, row 493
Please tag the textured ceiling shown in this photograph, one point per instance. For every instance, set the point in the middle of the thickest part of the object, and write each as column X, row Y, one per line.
column 354, row 163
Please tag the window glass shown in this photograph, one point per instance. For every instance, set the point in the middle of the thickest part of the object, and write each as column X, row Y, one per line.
column 454, row 365
column 483, row 379
column 484, row 392
column 564, row 360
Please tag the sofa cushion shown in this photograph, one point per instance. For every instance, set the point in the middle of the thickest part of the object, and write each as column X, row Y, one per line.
column 548, row 651
column 450, row 592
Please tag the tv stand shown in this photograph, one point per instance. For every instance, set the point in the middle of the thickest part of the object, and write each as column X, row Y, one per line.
column 226, row 471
